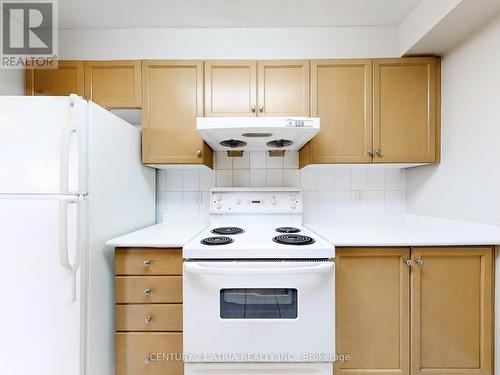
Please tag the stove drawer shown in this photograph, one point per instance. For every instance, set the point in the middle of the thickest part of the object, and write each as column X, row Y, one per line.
column 137, row 261
column 258, row 368
column 149, row 317
column 149, row 353
column 148, row 289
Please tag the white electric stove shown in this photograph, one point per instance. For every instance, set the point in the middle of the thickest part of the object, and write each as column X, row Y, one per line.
column 258, row 288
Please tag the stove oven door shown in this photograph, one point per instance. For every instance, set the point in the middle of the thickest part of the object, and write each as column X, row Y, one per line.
column 259, row 311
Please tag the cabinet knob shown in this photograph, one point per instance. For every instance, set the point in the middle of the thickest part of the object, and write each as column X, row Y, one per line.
column 378, row 152
column 199, row 153
column 147, row 291
column 253, row 108
column 147, row 263
column 371, row 152
column 408, row 262
column 419, row 262
column 148, row 319
column 147, row 360
column 261, row 108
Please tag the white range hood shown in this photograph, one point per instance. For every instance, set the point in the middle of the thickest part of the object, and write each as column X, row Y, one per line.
column 257, row 133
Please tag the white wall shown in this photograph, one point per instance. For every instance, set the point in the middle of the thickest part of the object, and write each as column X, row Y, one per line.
column 233, row 43
column 466, row 185
column 11, row 82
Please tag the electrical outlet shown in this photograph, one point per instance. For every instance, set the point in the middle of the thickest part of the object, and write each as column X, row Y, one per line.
column 359, row 197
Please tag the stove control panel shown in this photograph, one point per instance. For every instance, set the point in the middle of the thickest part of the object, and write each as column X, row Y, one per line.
column 255, row 201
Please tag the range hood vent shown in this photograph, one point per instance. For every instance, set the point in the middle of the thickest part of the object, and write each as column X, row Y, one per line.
column 257, row 133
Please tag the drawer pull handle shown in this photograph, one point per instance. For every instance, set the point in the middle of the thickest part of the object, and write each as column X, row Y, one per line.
column 147, row 360
column 148, row 319
column 147, row 291
column 147, row 263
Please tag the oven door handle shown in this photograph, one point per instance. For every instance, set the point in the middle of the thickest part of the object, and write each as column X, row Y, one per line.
column 199, row 269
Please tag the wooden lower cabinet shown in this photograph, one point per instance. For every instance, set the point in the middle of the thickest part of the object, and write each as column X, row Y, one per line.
column 452, row 311
column 151, row 353
column 372, row 310
column 432, row 317
column 148, row 294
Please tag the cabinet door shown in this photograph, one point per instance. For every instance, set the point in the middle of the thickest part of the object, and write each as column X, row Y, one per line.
column 230, row 88
column 173, row 98
column 67, row 79
column 114, row 84
column 372, row 310
column 451, row 311
column 341, row 93
column 405, row 104
column 283, row 88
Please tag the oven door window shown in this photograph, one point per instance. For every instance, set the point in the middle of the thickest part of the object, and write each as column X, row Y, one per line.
column 258, row 303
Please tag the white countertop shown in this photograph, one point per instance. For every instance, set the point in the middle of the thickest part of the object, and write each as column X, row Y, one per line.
column 403, row 230
column 397, row 230
column 173, row 232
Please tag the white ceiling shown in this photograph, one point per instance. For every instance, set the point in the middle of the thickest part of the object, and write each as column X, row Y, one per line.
column 107, row 14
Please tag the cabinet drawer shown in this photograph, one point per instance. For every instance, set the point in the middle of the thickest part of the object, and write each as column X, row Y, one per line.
column 149, row 353
column 149, row 317
column 148, row 289
column 137, row 261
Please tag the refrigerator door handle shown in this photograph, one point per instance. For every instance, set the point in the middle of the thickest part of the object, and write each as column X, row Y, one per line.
column 63, row 241
column 65, row 149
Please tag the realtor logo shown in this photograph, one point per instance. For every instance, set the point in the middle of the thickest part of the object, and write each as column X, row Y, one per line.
column 29, row 34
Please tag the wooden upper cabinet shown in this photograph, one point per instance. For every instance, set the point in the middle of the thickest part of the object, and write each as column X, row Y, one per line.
column 230, row 88
column 405, row 110
column 372, row 310
column 283, row 88
column 114, row 84
column 452, row 311
column 67, row 79
column 341, row 95
column 173, row 98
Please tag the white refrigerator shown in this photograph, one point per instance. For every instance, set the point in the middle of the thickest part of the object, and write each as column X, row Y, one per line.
column 70, row 178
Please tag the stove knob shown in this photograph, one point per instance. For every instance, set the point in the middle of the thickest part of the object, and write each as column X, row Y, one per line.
column 218, row 205
column 293, row 205
column 237, row 201
column 274, row 201
column 293, row 197
column 218, row 197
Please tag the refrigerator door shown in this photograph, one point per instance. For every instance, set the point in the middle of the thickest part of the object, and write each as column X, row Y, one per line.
column 42, row 145
column 41, row 285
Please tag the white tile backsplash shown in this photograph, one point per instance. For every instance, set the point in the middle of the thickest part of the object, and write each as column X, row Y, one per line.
column 326, row 190
column 257, row 160
column 242, row 162
column 241, row 177
column 173, row 179
column 274, row 177
column 190, row 180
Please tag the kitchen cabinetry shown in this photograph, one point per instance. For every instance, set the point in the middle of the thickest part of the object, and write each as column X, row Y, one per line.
column 257, row 88
column 341, row 95
column 148, row 294
column 452, row 311
column 372, row 317
column 67, row 79
column 173, row 98
column 114, row 84
column 449, row 316
column 230, row 88
column 405, row 111
column 380, row 111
